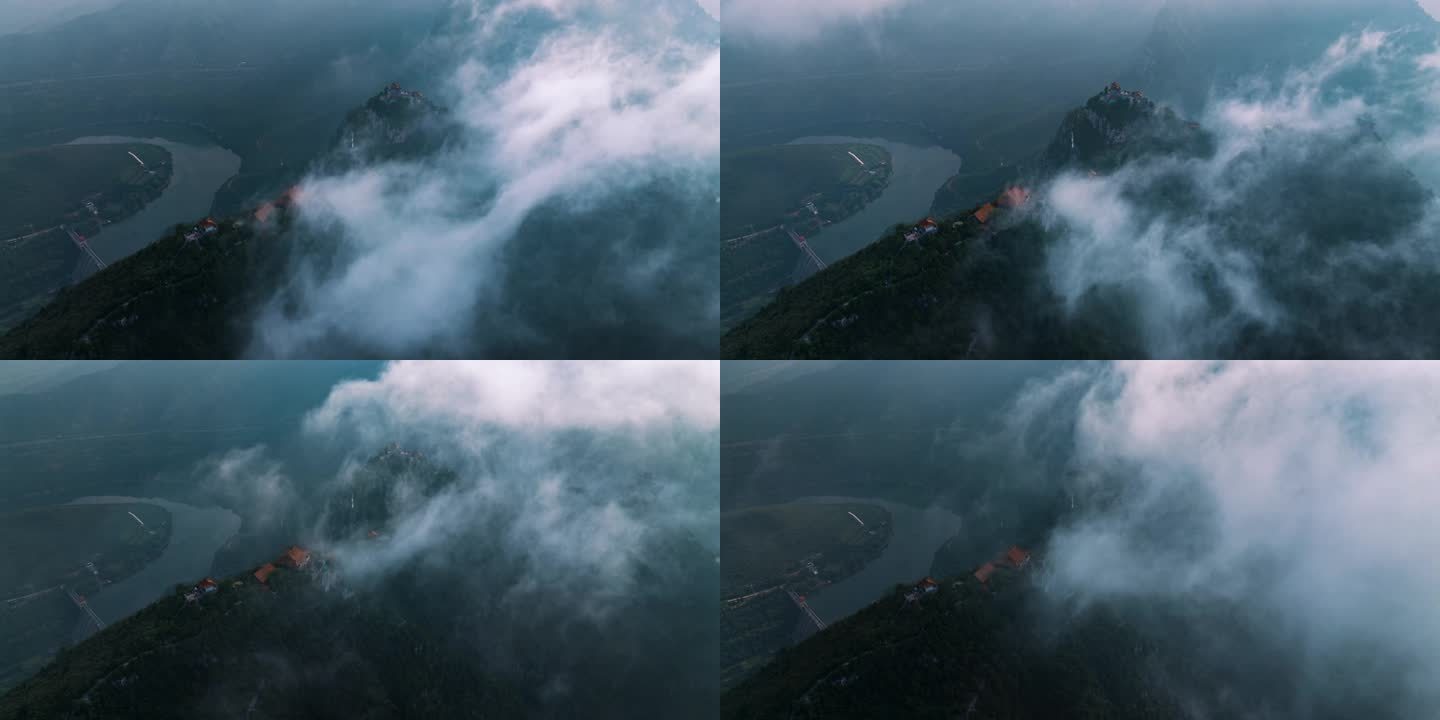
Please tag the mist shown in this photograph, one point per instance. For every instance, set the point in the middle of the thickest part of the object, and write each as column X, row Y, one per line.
column 1306, row 231
column 1266, row 513
column 568, row 510
column 563, row 216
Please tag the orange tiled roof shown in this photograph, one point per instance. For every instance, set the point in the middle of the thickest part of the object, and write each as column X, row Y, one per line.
column 295, row 556
column 985, row 571
column 263, row 574
column 984, row 213
column 1014, row 197
column 1017, row 555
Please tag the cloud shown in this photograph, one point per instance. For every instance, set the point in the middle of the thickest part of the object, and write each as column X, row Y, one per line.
column 1299, row 223
column 1300, row 494
column 574, row 469
column 253, row 484
column 568, row 112
column 540, row 396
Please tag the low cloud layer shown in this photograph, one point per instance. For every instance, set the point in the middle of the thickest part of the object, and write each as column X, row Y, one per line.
column 569, row 115
column 540, row 396
column 1298, row 494
column 252, row 483
column 583, row 465
column 1305, row 232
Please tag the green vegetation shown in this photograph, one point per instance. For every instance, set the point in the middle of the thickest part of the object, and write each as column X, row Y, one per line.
column 767, row 550
column 50, row 546
column 42, row 189
column 963, row 651
column 766, row 189
column 182, row 299
column 172, row 299
column 938, row 298
column 973, row 289
column 292, row 647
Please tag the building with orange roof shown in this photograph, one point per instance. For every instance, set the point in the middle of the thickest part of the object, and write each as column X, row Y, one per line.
column 1017, row 556
column 985, row 571
column 264, row 573
column 207, row 586
column 1014, row 197
column 296, row 557
column 984, row 213
column 263, row 213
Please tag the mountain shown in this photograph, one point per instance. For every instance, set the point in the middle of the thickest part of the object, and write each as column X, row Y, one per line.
column 1160, row 246
column 967, row 650
column 971, row 289
column 1008, row 648
column 196, row 298
column 314, row 641
column 401, row 613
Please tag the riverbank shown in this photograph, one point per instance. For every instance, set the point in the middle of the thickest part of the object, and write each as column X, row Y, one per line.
column 776, row 196
column 58, row 549
column 773, row 553
column 46, row 191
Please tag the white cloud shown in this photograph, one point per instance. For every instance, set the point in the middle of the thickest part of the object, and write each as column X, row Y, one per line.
column 608, row 102
column 1299, row 491
column 582, row 513
column 529, row 395
column 1236, row 235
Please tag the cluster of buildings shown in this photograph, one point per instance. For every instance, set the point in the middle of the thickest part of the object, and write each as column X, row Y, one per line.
column 393, row 92
column 928, row 226
column 1115, row 95
column 1013, row 559
column 295, row 558
column 208, row 226
column 1013, row 197
column 263, row 213
column 921, row 589
column 208, row 586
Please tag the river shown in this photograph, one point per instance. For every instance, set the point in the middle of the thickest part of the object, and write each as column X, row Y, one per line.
column 195, row 534
column 917, row 171
column 200, row 169
column 915, row 536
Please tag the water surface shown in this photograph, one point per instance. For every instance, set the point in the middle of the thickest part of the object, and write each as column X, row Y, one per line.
column 200, row 169
column 915, row 535
column 917, row 171
column 195, row 534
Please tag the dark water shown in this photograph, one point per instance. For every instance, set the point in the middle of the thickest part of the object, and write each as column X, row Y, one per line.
column 200, row 168
column 915, row 536
column 195, row 534
column 917, row 172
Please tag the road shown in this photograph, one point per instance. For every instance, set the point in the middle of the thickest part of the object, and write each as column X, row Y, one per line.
column 31, row 595
column 117, row 76
column 37, row 233
column 805, row 248
column 736, row 601
column 799, row 601
column 743, row 238
column 80, row 602
column 85, row 246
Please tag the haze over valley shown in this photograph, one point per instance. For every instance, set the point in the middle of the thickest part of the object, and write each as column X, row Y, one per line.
column 267, row 539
